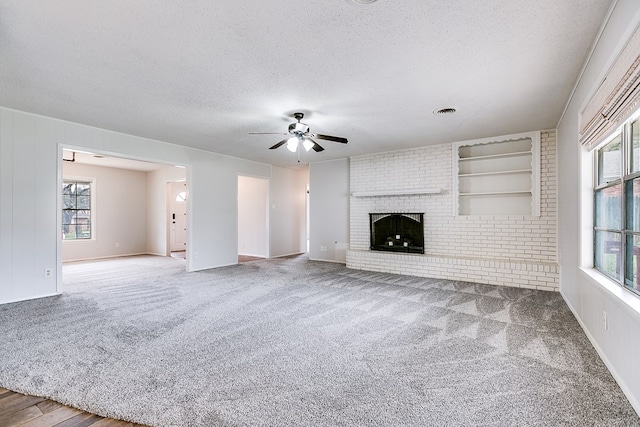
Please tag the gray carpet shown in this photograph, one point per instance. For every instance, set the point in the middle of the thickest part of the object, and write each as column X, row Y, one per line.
column 291, row 342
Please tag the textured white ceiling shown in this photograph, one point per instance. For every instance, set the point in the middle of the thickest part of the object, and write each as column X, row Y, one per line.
column 206, row 73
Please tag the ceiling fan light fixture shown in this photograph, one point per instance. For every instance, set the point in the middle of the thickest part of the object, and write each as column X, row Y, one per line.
column 307, row 144
column 292, row 144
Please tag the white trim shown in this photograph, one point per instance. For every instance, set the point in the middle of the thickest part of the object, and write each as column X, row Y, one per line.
column 111, row 256
column 11, row 301
column 328, row 260
column 59, row 162
column 285, row 255
column 396, row 192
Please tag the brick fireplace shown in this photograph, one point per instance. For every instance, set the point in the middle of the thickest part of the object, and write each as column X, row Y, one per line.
column 511, row 250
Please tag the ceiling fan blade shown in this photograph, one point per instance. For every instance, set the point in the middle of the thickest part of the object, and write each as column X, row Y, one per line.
column 316, row 147
column 331, row 138
column 267, row 133
column 279, row 144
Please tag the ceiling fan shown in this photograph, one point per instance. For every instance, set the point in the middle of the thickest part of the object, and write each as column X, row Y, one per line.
column 300, row 135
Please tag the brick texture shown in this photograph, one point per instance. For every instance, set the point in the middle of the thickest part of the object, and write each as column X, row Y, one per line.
column 516, row 251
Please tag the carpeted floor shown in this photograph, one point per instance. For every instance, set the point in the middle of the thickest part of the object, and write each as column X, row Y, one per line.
column 292, row 342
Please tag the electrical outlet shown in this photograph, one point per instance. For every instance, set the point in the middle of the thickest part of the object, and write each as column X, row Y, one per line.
column 605, row 321
column 117, row 245
column 48, row 272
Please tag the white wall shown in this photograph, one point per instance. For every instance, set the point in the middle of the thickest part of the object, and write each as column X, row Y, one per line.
column 29, row 232
column 587, row 295
column 287, row 211
column 157, row 236
column 119, row 213
column 329, row 210
column 253, row 221
column 31, row 172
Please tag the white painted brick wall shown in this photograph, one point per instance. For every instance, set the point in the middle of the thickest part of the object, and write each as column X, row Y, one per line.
column 512, row 251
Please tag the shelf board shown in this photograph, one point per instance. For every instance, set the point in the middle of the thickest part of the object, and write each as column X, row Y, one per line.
column 496, row 193
column 518, row 171
column 396, row 192
column 496, row 156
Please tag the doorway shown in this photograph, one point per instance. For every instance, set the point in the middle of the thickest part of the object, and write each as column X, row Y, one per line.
column 178, row 195
column 253, row 217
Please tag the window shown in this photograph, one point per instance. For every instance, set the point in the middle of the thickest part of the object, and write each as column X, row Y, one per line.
column 76, row 210
column 617, row 206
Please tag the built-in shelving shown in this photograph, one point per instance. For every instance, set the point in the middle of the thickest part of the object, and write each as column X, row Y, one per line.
column 497, row 176
column 408, row 192
column 496, row 156
column 494, row 193
column 507, row 172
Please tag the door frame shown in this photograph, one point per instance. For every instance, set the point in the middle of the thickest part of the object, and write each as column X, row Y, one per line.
column 267, row 224
column 168, row 202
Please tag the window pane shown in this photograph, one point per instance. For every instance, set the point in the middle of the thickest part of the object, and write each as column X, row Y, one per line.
column 68, row 231
column 68, row 202
column 632, row 267
column 83, row 189
column 609, row 158
column 635, row 146
column 68, row 188
column 83, row 230
column 83, row 202
column 608, row 206
column 632, row 204
column 608, row 253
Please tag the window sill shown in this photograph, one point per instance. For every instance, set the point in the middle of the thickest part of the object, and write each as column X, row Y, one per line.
column 628, row 300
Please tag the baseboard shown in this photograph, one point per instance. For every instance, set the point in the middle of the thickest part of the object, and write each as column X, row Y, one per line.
column 328, row 260
column 284, row 255
column 30, row 298
column 617, row 377
column 108, row 256
column 211, row 268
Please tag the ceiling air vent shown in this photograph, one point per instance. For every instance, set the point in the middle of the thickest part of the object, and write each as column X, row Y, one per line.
column 444, row 111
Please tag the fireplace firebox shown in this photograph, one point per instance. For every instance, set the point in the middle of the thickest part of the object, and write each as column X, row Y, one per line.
column 397, row 232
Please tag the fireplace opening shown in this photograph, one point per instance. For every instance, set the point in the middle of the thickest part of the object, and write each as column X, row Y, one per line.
column 397, row 232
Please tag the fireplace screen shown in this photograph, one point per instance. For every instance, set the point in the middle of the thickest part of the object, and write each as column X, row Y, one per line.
column 397, row 232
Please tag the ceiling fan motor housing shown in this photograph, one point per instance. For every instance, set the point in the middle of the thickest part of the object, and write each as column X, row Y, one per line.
column 298, row 129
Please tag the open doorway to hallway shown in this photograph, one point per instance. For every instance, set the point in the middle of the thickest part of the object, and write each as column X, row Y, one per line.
column 177, row 218
column 253, row 218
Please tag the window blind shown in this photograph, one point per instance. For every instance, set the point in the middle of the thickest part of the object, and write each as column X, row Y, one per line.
column 616, row 98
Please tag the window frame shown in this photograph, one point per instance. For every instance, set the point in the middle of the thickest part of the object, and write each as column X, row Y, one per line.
column 92, row 208
column 625, row 179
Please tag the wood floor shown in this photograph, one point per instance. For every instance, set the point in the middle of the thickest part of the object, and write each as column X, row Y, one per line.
column 246, row 258
column 29, row 411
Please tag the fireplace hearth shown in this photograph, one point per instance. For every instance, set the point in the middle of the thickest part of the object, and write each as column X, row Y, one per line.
column 397, row 232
